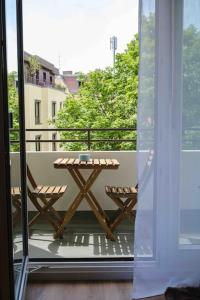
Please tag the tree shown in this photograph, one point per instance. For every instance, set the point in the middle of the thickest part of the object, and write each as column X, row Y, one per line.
column 191, row 88
column 33, row 66
column 189, row 57
column 13, row 108
column 147, row 82
column 106, row 99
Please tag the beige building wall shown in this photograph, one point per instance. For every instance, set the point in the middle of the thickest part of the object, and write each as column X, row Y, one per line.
column 46, row 95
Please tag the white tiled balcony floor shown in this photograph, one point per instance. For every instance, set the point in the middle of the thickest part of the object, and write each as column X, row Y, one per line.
column 83, row 238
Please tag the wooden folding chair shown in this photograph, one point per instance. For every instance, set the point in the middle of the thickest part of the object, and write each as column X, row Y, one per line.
column 43, row 198
column 126, row 197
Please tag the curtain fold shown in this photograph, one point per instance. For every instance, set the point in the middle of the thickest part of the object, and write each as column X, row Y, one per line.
column 167, row 227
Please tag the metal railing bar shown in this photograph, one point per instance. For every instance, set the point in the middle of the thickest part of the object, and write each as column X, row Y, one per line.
column 77, row 141
column 75, row 129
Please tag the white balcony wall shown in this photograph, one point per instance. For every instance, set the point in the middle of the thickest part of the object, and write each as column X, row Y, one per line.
column 44, row 173
column 41, row 165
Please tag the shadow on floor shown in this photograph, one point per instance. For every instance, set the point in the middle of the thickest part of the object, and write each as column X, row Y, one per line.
column 83, row 238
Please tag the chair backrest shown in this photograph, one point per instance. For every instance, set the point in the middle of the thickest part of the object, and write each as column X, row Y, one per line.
column 30, row 178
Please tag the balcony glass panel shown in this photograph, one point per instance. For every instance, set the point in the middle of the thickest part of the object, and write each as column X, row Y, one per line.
column 190, row 159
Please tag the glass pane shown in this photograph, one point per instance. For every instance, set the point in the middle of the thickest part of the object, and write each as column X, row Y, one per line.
column 190, row 158
column 144, row 233
column 14, row 135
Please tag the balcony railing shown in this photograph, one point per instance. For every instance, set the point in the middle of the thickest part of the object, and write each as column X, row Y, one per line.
column 88, row 140
column 190, row 137
column 43, row 83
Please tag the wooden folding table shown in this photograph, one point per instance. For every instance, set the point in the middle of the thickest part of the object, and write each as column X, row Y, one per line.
column 96, row 166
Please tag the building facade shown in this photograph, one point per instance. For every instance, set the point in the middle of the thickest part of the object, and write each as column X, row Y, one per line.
column 44, row 97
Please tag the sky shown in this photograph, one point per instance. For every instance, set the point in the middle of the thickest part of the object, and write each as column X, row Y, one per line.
column 74, row 34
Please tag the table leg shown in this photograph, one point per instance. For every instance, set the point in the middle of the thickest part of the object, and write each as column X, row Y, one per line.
column 92, row 195
column 73, row 207
column 93, row 203
column 69, row 214
column 102, row 221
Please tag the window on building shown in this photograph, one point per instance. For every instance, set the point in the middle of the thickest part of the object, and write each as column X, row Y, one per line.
column 37, row 143
column 44, row 77
column 51, row 80
column 37, row 111
column 54, row 136
column 53, row 113
column 61, row 105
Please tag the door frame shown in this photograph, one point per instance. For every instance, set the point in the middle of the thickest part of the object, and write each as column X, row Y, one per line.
column 20, row 60
column 6, row 255
column 7, row 282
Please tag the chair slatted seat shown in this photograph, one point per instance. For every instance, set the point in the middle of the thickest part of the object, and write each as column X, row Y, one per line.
column 49, row 191
column 16, row 192
column 120, row 191
column 126, row 197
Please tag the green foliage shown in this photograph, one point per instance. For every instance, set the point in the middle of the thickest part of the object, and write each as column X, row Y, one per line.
column 60, row 87
column 191, row 88
column 106, row 99
column 33, row 66
column 147, row 82
column 80, row 76
column 14, row 108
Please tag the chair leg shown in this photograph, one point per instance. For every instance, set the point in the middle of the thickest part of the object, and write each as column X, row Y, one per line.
column 43, row 211
column 16, row 215
column 53, row 211
column 120, row 209
column 34, row 219
column 125, row 212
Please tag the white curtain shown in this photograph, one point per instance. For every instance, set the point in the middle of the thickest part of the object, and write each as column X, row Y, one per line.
column 167, row 227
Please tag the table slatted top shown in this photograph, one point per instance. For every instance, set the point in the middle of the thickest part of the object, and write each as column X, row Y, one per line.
column 93, row 163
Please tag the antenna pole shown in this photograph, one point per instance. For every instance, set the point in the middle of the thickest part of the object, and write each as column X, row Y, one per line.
column 113, row 47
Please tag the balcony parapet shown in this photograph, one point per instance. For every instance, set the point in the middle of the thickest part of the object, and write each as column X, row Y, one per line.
column 44, row 84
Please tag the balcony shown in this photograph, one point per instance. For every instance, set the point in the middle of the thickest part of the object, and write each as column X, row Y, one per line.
column 83, row 236
column 43, row 83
